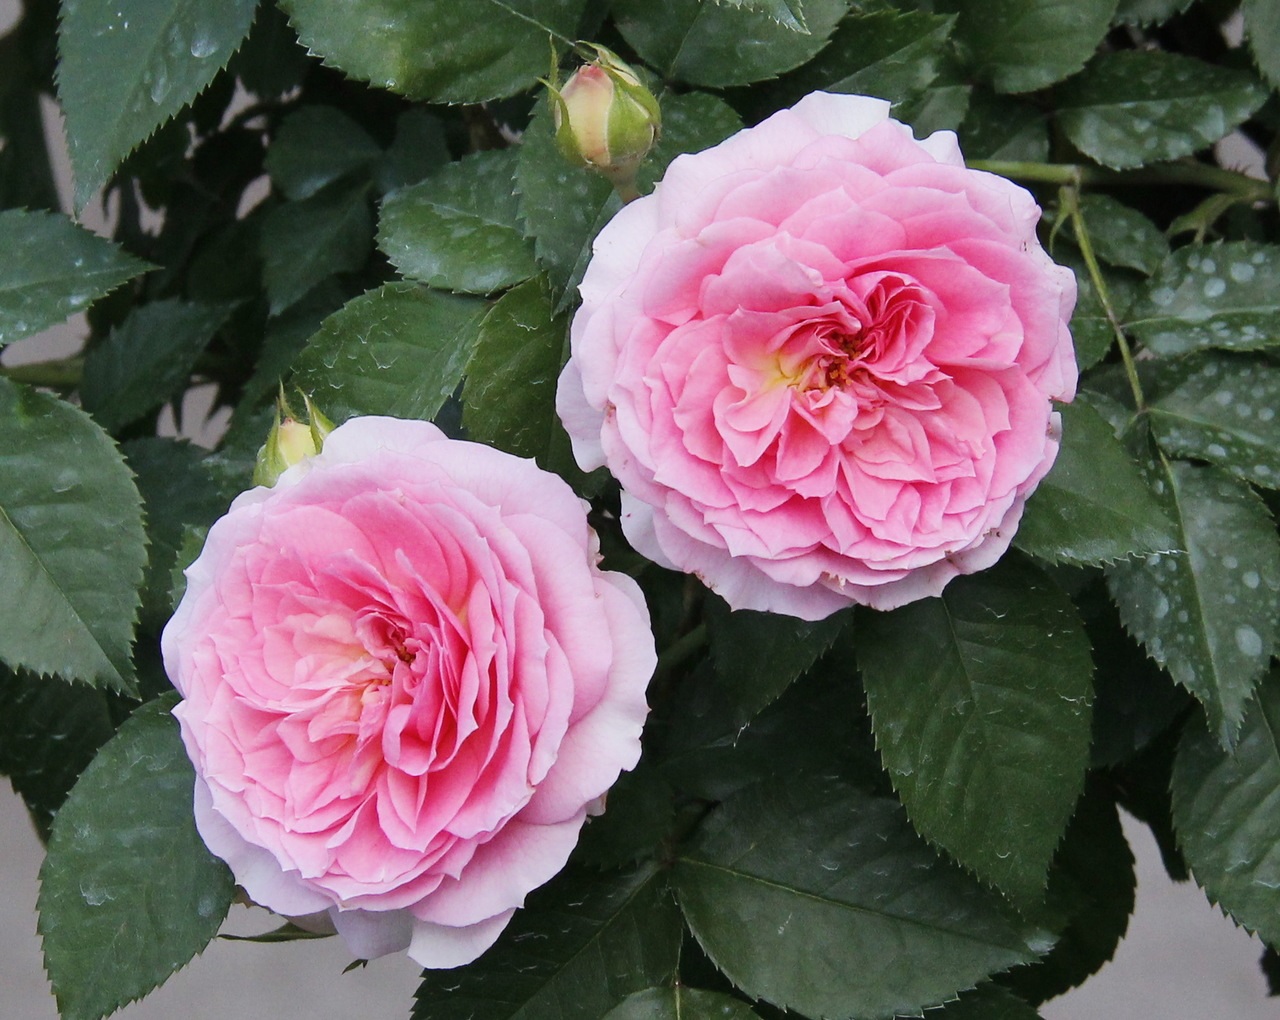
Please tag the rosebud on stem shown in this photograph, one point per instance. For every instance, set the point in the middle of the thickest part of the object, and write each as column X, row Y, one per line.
column 606, row 120
column 290, row 441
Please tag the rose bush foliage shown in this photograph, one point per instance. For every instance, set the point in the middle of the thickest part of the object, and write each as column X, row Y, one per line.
column 823, row 364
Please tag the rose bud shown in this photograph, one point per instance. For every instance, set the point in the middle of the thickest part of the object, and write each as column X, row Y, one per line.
column 290, row 441
column 606, row 119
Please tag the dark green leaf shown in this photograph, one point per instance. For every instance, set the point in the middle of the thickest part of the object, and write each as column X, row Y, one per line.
column 49, row 732
column 459, row 229
column 564, row 208
column 1004, row 127
column 270, row 62
column 305, row 242
column 820, row 898
column 1143, row 106
column 1022, row 45
column 1225, row 813
column 989, row 1002
column 509, row 397
column 178, row 491
column 315, row 146
column 419, row 149
column 437, row 50
column 1122, row 236
column 1224, row 409
column 1262, row 25
column 895, row 55
column 1135, row 701
column 1094, row 506
column 758, row 655
column 53, row 269
column 128, row 66
column 638, row 816
column 147, row 360
column 399, row 350
column 713, row 45
column 980, row 705
column 1209, row 616
column 128, row 893
column 680, row 1003
column 1092, row 886
column 581, row 944
column 1222, row 295
column 788, row 13
column 1147, row 12
column 71, row 543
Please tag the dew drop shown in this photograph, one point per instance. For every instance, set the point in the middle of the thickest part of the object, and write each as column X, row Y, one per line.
column 1248, row 641
column 1251, row 579
column 1241, row 272
column 1214, row 287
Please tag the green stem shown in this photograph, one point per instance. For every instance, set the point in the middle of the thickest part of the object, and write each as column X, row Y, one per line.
column 1073, row 175
column 1069, row 203
column 680, row 651
column 63, row 374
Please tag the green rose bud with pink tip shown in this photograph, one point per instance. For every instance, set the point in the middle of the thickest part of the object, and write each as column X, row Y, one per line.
column 606, row 120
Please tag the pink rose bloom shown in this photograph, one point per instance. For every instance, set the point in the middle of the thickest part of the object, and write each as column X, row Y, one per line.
column 819, row 358
column 406, row 684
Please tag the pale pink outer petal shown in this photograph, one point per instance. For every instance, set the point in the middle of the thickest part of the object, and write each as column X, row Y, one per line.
column 440, row 947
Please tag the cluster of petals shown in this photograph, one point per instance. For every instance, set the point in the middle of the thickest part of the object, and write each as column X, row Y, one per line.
column 820, row 359
column 405, row 685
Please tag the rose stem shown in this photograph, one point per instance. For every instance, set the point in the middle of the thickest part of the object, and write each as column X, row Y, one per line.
column 1215, row 178
column 1069, row 202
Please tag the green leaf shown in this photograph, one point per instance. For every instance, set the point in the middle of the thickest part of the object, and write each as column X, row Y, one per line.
column 316, row 146
column 709, row 753
column 147, row 360
column 1223, row 409
column 1222, row 295
column 582, row 943
column 1023, row 45
column 1224, row 812
column 1149, row 12
column 510, row 393
column 53, row 269
column 1141, row 106
column 398, row 350
column 128, row 893
column 637, row 817
column 1094, row 506
column 1004, row 128
column 128, row 66
column 980, row 705
column 680, row 1003
column 989, row 1002
column 1122, row 236
column 1262, row 25
column 820, row 898
column 895, row 55
column 308, row 241
column 1209, row 616
column 717, row 46
column 1092, row 886
column 437, row 50
column 788, row 13
column 178, row 491
column 459, row 229
column 564, row 208
column 419, row 148
column 759, row 655
column 49, row 731
column 71, row 543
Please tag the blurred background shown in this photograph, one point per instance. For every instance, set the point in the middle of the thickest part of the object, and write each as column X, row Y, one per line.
column 1182, row 960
